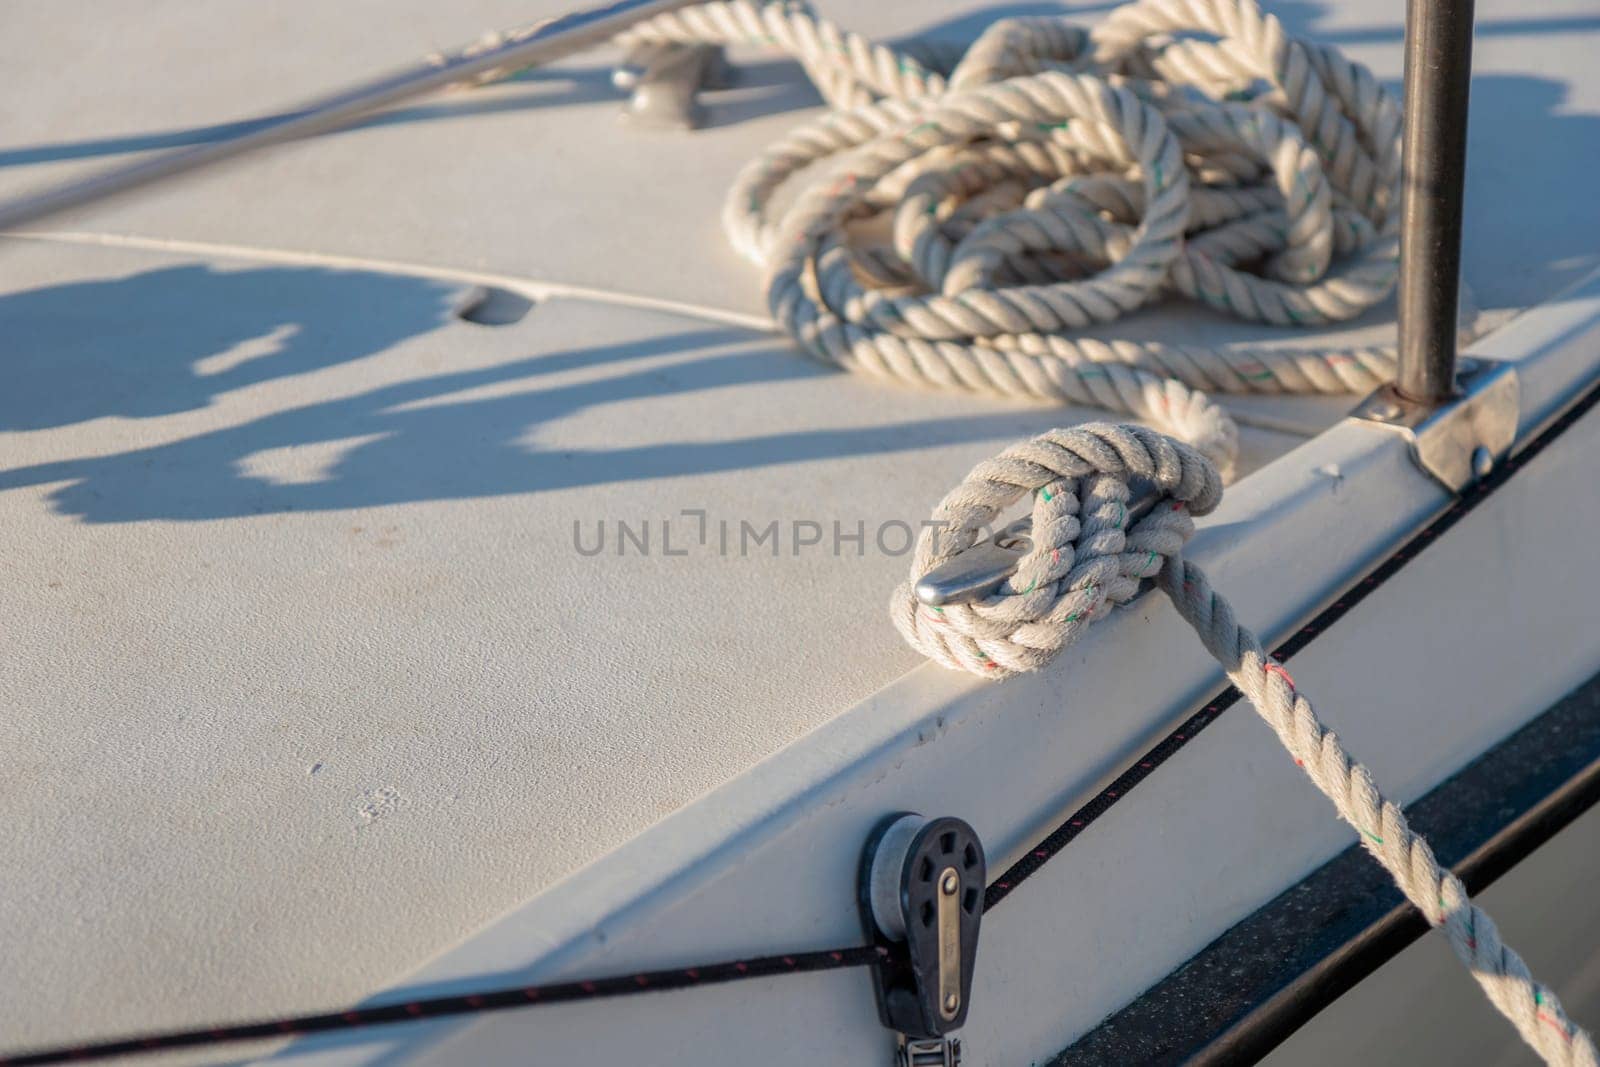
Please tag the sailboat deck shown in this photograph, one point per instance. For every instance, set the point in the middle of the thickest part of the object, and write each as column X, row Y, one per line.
column 308, row 675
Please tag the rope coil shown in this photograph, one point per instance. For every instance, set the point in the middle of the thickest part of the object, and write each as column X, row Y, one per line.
column 953, row 226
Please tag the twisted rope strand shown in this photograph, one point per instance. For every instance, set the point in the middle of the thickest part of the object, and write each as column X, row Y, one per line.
column 1055, row 179
column 1084, row 558
column 1505, row 979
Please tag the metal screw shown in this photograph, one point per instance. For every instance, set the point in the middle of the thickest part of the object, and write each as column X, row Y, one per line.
column 1386, row 409
column 950, row 884
column 1482, row 461
column 951, row 1002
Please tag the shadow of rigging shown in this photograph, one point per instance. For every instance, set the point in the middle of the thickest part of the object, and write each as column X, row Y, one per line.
column 174, row 367
column 175, row 339
column 178, row 340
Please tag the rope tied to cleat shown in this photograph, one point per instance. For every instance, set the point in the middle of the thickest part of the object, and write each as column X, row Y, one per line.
column 1077, row 568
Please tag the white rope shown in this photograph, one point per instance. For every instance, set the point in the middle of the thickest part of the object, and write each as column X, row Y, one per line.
column 956, row 229
column 1085, row 558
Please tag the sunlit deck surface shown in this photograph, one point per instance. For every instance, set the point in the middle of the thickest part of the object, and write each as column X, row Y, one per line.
column 305, row 678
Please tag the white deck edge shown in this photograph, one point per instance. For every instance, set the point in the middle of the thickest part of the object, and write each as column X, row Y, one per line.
column 766, row 863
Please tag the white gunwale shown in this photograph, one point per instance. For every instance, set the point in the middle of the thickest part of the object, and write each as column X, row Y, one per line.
column 766, row 863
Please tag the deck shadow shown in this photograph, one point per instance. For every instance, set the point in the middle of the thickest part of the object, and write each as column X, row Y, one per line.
column 138, row 380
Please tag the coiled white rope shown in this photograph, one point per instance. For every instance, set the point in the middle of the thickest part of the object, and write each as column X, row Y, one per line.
column 1085, row 558
column 955, row 229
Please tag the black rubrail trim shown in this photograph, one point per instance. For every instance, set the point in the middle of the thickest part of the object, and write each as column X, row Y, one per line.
column 1256, row 984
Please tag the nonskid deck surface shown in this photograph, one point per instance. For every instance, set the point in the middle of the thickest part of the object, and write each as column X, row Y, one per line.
column 536, row 176
column 309, row 678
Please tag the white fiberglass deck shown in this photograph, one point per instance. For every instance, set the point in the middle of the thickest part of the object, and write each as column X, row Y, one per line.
column 305, row 680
